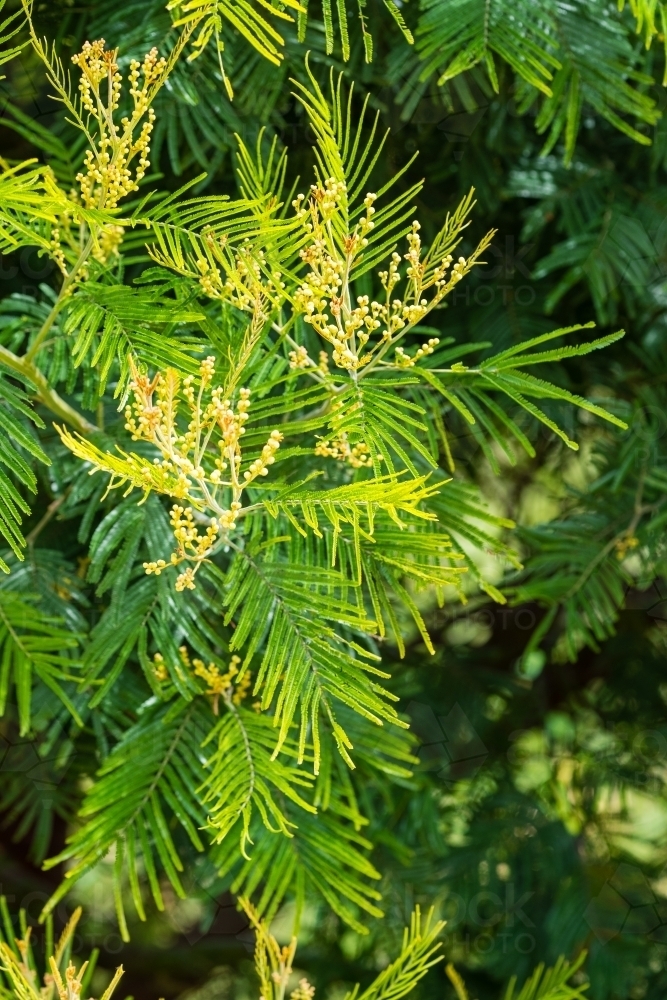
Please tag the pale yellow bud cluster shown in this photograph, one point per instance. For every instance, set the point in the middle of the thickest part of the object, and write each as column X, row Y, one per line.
column 625, row 545
column 210, row 279
column 391, row 278
column 245, row 283
column 142, row 417
column 108, row 242
column 97, row 64
column 228, row 518
column 304, row 991
column 57, row 251
column 268, row 456
column 107, row 175
column 440, row 279
column 186, row 532
column 403, row 359
column 231, row 424
column 207, row 370
column 299, row 358
column 300, row 210
column 360, row 333
column 200, row 463
column 151, row 70
column 328, row 198
column 160, row 671
column 459, row 270
column 218, row 683
column 413, row 256
column 190, row 544
column 357, row 455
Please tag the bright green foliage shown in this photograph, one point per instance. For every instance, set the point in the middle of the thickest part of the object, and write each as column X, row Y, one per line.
column 552, row 984
column 565, row 56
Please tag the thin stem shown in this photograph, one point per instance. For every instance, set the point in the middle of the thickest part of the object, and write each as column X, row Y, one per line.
column 60, row 301
column 51, row 511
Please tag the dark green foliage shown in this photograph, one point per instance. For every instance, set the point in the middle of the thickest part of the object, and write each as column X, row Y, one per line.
column 547, row 109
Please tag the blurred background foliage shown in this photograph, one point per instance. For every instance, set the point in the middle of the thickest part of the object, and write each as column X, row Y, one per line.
column 537, row 818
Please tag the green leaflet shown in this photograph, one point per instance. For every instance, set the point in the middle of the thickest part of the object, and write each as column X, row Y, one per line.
column 245, row 776
column 326, row 857
column 15, row 440
column 34, row 647
column 152, row 775
column 307, row 666
column 110, row 322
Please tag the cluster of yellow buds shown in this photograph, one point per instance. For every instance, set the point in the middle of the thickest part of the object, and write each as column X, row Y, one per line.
column 228, row 517
column 160, row 671
column 323, row 298
column 97, row 64
column 57, row 250
column 109, row 240
column 304, row 991
column 200, row 463
column 191, row 546
column 247, row 284
column 218, row 683
column 389, row 279
column 403, row 359
column 415, row 269
column 228, row 684
column 357, row 455
column 210, row 278
column 223, row 684
column 325, row 201
column 107, row 177
column 319, row 297
column 458, row 272
column 625, row 545
column 142, row 416
column 151, row 70
column 300, row 359
column 267, row 457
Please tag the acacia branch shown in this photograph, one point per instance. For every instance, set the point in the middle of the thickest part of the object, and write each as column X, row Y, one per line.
column 45, row 394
